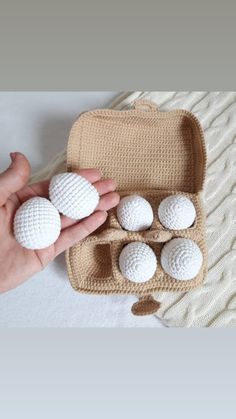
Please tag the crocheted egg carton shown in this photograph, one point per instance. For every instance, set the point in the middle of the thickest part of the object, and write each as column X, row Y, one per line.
column 155, row 198
column 152, row 154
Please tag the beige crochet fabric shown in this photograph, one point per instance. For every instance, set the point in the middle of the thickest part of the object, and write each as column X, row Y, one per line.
column 153, row 154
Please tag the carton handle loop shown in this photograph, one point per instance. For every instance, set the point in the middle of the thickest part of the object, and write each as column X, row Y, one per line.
column 145, row 306
column 145, row 105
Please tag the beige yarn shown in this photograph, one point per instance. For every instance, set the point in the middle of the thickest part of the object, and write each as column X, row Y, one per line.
column 213, row 303
column 149, row 153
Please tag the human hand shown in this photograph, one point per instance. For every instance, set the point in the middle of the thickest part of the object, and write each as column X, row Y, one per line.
column 17, row 263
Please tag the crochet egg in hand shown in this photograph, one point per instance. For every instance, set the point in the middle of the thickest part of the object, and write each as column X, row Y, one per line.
column 37, row 224
column 137, row 262
column 181, row 259
column 134, row 213
column 73, row 195
column 176, row 212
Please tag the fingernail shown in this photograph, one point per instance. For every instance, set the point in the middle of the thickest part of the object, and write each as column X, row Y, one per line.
column 13, row 156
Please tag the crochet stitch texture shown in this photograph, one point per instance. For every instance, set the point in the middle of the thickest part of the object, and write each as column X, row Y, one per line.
column 176, row 212
column 137, row 262
column 181, row 259
column 134, row 213
column 73, row 195
column 37, row 223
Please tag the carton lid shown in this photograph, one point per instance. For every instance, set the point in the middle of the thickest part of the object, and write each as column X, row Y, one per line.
column 141, row 148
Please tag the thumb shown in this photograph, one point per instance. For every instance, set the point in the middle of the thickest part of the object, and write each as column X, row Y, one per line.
column 15, row 177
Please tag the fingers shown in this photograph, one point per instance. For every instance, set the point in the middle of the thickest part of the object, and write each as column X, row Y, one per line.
column 41, row 188
column 35, row 189
column 104, row 186
column 106, row 202
column 15, row 177
column 92, row 175
column 79, row 231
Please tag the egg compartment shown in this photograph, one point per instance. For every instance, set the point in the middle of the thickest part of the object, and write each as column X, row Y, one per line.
column 161, row 280
column 91, row 266
column 174, row 285
column 126, row 286
column 155, row 197
column 103, row 274
column 156, row 237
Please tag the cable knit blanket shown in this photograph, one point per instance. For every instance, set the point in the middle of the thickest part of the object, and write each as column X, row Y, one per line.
column 214, row 303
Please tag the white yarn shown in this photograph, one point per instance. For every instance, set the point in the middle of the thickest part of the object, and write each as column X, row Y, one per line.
column 73, row 195
column 137, row 262
column 176, row 212
column 181, row 259
column 134, row 213
column 37, row 223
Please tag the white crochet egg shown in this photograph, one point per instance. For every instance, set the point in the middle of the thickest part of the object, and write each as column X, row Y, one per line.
column 137, row 262
column 37, row 223
column 181, row 259
column 176, row 212
column 73, row 195
column 134, row 213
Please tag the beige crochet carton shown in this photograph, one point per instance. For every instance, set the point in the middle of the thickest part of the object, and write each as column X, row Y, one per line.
column 150, row 153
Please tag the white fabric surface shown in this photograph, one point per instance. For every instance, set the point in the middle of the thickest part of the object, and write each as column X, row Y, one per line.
column 38, row 125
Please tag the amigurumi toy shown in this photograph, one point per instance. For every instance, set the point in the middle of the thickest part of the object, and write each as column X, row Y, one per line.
column 137, row 262
column 181, row 259
column 73, row 195
column 176, row 212
column 134, row 213
column 37, row 222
